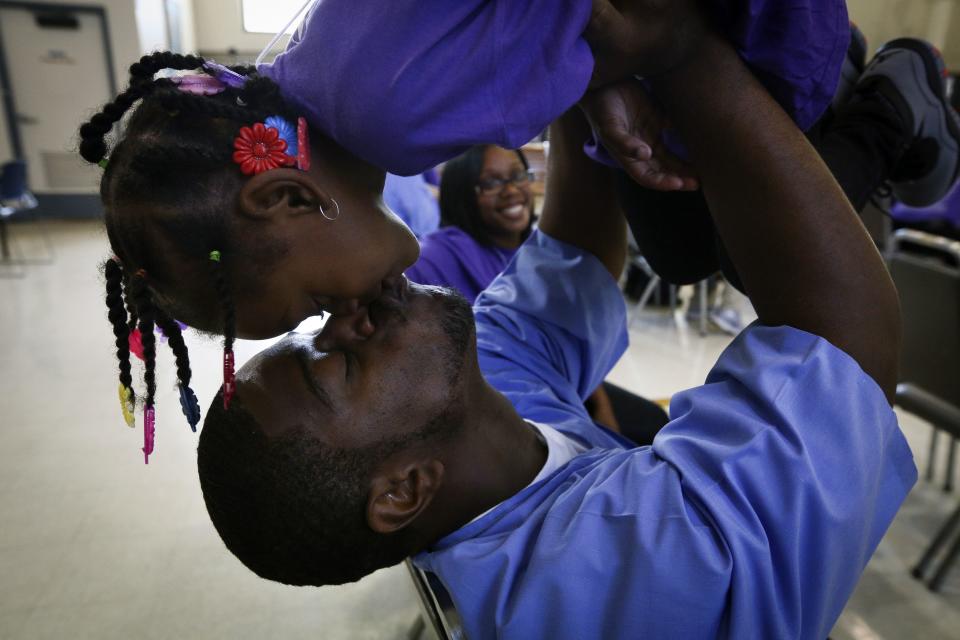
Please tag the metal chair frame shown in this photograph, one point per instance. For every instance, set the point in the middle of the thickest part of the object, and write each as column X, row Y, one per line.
column 930, row 386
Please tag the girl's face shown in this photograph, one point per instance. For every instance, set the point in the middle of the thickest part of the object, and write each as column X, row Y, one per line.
column 333, row 266
column 503, row 197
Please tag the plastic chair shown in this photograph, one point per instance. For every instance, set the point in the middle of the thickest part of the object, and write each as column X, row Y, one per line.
column 16, row 198
column 926, row 270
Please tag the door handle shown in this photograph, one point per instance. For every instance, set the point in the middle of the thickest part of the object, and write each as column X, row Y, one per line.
column 25, row 119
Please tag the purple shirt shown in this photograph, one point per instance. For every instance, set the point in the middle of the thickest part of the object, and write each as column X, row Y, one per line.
column 450, row 257
column 408, row 84
column 947, row 210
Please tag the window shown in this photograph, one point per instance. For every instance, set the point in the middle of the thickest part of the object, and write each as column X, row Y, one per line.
column 269, row 16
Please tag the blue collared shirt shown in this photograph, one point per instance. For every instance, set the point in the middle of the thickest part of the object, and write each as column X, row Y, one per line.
column 751, row 516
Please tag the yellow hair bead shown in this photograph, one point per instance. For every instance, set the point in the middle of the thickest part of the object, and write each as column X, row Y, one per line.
column 126, row 404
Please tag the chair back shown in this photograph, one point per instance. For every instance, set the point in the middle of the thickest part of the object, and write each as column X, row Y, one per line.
column 926, row 271
column 436, row 605
column 13, row 180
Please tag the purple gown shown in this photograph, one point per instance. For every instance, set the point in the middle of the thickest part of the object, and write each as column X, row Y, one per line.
column 408, row 84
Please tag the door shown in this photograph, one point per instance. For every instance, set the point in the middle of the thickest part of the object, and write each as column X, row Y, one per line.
column 58, row 75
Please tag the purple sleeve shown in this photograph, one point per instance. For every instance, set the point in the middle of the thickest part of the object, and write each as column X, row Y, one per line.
column 795, row 48
column 450, row 258
column 408, row 84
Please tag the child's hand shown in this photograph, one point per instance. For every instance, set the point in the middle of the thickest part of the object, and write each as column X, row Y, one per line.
column 630, row 127
column 641, row 37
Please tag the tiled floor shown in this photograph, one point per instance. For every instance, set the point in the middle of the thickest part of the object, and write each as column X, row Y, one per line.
column 95, row 545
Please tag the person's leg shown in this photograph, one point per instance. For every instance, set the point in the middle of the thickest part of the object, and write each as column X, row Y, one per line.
column 673, row 230
column 639, row 418
column 898, row 126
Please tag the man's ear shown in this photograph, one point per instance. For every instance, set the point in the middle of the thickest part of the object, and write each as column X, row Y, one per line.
column 398, row 496
column 279, row 193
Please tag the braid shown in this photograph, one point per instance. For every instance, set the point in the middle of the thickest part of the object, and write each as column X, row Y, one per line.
column 150, row 64
column 156, row 157
column 144, row 302
column 131, row 307
column 188, row 399
column 93, row 148
column 118, row 318
column 226, row 303
column 229, row 327
column 175, row 340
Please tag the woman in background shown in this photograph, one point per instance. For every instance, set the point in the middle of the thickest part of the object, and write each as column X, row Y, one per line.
column 486, row 213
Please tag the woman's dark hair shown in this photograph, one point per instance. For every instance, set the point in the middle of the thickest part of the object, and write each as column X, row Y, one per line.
column 168, row 188
column 458, row 194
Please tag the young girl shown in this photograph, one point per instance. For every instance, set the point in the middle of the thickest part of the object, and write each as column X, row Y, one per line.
column 242, row 204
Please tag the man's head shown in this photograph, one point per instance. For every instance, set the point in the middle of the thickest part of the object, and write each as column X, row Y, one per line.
column 333, row 449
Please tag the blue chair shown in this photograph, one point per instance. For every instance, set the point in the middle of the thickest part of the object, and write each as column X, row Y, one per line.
column 16, row 198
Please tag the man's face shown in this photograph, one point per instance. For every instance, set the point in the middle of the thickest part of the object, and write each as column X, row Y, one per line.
column 351, row 388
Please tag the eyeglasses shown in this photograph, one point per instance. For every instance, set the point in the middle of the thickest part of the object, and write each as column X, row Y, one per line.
column 495, row 185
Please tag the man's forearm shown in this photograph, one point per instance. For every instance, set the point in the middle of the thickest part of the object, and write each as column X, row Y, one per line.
column 802, row 253
column 581, row 206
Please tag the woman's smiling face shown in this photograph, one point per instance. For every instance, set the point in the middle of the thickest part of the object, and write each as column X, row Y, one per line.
column 503, row 197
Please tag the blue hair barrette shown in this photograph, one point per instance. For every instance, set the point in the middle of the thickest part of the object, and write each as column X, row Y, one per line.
column 288, row 133
column 189, row 406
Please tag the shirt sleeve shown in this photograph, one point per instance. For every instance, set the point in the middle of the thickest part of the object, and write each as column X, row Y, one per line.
column 549, row 329
column 752, row 515
column 794, row 456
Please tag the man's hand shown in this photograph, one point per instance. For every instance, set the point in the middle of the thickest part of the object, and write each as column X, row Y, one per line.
column 641, row 37
column 630, row 127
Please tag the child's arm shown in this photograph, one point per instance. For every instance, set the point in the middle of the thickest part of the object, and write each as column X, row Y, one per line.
column 802, row 252
column 641, row 37
column 630, row 127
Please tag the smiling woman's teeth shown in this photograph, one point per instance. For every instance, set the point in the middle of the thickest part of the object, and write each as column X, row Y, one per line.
column 513, row 212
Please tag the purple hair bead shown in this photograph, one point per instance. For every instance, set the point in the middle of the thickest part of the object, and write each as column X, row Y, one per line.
column 200, row 85
column 225, row 75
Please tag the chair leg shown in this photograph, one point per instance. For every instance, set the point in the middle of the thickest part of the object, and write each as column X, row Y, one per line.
column 951, row 459
column 941, row 574
column 943, row 535
column 932, row 455
column 652, row 286
column 4, row 241
column 702, row 290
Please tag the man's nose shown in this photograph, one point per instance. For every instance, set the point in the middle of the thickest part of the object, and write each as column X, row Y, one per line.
column 346, row 328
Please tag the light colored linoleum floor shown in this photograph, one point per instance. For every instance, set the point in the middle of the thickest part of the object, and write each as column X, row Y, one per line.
column 93, row 544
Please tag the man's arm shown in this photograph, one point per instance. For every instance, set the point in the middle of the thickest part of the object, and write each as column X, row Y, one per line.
column 803, row 254
column 581, row 205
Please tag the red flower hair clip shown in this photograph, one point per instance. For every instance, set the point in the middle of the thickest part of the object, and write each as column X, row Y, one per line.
column 260, row 148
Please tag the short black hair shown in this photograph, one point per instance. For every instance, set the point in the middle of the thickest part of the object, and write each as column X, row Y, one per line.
column 291, row 508
column 458, row 194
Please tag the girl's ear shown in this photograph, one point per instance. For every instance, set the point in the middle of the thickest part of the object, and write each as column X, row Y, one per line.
column 282, row 193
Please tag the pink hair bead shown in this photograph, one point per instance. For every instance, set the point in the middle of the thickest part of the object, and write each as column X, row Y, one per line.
column 148, row 432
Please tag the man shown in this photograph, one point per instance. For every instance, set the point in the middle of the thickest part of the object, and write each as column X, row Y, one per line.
column 753, row 513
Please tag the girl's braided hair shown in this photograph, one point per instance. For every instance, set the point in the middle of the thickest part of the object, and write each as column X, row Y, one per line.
column 169, row 190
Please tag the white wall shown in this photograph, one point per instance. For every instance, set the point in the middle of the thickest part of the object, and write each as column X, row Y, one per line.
column 937, row 21
column 219, row 27
column 124, row 43
column 151, row 25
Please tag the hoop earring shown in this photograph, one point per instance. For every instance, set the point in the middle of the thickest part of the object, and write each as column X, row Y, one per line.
column 324, row 213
